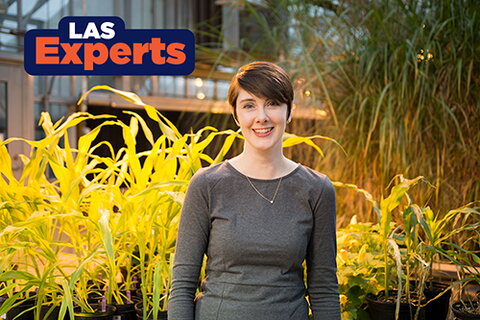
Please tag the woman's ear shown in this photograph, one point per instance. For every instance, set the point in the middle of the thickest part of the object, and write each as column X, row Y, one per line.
column 289, row 117
column 235, row 118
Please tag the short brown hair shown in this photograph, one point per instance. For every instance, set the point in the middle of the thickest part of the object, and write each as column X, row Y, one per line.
column 265, row 80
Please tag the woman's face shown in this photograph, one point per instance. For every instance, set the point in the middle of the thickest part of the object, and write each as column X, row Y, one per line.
column 262, row 121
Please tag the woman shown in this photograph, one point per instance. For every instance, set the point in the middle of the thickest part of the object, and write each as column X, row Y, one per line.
column 257, row 217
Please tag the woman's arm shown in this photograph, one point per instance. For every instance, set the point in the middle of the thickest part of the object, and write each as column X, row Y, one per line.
column 322, row 283
column 192, row 241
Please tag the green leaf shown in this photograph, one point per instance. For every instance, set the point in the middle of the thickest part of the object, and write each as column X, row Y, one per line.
column 16, row 275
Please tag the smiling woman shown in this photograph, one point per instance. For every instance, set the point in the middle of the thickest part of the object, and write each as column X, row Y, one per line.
column 257, row 217
column 261, row 120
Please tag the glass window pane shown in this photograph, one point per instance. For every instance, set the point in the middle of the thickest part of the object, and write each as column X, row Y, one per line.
column 39, row 133
column 3, row 110
column 180, row 87
column 141, row 14
column 141, row 85
column 100, row 8
column 159, row 12
column 98, row 80
column 60, row 86
column 9, row 42
column 57, row 111
column 223, row 89
column 192, row 89
column 208, row 89
column 166, row 85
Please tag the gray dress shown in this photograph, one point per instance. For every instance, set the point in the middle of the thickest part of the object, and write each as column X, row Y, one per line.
column 255, row 249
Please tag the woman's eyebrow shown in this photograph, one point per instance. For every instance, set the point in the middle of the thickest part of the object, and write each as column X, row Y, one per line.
column 247, row 99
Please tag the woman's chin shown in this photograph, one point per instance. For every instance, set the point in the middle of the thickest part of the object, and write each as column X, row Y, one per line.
column 265, row 146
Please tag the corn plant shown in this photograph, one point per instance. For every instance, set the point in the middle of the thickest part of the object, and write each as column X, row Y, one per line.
column 31, row 215
column 150, row 206
column 438, row 240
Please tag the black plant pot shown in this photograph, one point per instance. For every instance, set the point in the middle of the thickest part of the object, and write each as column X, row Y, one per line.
column 126, row 311
column 138, row 293
column 52, row 313
column 385, row 310
column 438, row 308
column 20, row 311
column 162, row 315
column 98, row 314
column 462, row 314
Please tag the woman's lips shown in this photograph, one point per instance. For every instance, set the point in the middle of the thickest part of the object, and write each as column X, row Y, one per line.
column 263, row 132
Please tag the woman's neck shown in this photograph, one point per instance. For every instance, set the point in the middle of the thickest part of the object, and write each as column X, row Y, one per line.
column 262, row 165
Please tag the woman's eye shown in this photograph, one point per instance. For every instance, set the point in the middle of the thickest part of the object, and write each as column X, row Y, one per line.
column 271, row 104
column 248, row 106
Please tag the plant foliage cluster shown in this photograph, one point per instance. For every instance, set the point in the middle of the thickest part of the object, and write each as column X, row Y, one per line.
column 399, row 256
column 104, row 225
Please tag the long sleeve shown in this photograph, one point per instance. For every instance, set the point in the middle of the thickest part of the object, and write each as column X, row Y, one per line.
column 192, row 241
column 322, row 283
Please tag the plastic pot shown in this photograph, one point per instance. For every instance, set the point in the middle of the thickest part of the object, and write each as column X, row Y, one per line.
column 52, row 313
column 22, row 312
column 97, row 314
column 162, row 315
column 385, row 310
column 462, row 314
column 438, row 308
column 126, row 311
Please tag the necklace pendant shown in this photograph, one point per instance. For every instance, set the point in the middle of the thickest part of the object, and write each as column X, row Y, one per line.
column 276, row 191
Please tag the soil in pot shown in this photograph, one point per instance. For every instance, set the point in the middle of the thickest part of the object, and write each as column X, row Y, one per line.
column 162, row 315
column 464, row 311
column 108, row 314
column 382, row 309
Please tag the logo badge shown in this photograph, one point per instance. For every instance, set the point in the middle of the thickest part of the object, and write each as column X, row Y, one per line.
column 102, row 46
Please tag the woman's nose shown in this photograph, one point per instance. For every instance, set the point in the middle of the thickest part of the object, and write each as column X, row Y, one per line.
column 262, row 115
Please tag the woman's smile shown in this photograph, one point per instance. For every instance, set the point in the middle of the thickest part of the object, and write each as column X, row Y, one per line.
column 263, row 132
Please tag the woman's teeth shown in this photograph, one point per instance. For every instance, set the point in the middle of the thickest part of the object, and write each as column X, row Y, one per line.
column 263, row 130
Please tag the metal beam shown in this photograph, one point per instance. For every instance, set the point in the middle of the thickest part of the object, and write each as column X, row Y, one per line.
column 35, row 8
column 10, row 17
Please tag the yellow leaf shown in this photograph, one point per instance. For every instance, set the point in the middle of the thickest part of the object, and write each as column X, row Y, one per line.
column 6, row 163
column 146, row 129
column 129, row 96
column 362, row 252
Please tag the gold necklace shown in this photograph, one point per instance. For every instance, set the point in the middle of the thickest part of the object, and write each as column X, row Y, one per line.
column 261, row 195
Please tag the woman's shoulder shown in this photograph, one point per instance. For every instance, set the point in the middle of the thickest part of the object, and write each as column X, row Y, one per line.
column 210, row 174
column 317, row 184
column 313, row 175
